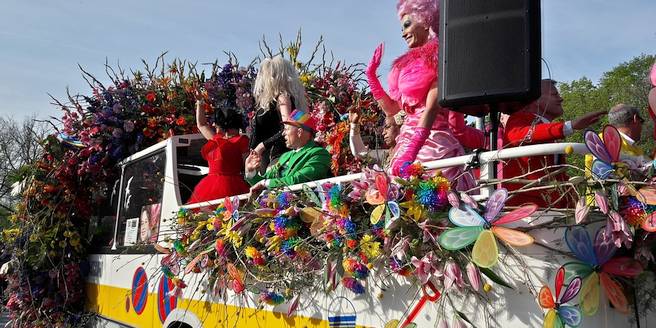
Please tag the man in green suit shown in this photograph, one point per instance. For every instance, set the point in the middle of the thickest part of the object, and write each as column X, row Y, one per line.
column 306, row 161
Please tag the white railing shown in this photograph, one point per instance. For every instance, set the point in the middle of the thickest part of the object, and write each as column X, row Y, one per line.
column 483, row 159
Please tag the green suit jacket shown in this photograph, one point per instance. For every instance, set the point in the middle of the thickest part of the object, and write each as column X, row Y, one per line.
column 309, row 163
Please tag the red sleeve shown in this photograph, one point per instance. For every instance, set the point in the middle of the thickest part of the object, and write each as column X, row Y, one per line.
column 208, row 147
column 520, row 130
column 467, row 136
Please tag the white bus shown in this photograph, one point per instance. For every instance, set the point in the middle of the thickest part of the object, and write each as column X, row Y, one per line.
column 126, row 287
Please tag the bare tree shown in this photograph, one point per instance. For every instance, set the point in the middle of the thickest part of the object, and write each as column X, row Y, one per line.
column 19, row 146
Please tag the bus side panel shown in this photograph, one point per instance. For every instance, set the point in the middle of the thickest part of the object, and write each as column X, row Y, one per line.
column 126, row 291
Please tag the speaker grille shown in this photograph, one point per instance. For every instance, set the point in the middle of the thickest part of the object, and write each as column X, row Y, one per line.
column 489, row 51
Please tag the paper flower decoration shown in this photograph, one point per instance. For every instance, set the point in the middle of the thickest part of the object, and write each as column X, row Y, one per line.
column 597, row 267
column 558, row 314
column 472, row 227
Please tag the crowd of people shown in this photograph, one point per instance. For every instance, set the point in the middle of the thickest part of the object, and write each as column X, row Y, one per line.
column 281, row 150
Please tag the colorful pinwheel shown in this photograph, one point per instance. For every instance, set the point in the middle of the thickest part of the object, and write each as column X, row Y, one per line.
column 386, row 205
column 606, row 151
column 471, row 227
column 559, row 315
column 597, row 268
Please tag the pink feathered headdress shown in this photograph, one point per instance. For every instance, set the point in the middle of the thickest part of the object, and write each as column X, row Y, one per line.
column 652, row 76
column 424, row 11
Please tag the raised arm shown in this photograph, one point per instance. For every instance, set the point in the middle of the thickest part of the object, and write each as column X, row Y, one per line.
column 387, row 104
column 201, row 121
column 357, row 146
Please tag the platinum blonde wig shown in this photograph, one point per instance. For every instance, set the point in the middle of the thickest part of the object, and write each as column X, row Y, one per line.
column 426, row 12
column 276, row 76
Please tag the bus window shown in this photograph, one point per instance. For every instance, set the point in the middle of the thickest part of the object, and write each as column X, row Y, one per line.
column 191, row 167
column 141, row 199
column 101, row 227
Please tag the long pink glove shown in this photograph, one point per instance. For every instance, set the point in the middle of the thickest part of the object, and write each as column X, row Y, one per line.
column 374, row 84
column 409, row 154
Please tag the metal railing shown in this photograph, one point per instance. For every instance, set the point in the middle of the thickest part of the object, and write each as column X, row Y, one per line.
column 483, row 158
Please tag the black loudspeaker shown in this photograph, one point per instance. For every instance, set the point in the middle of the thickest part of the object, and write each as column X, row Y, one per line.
column 489, row 53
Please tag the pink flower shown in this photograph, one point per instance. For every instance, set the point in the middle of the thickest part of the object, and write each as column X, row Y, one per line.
column 468, row 200
column 424, row 268
column 457, row 323
column 398, row 251
column 429, row 232
column 474, row 276
column 619, row 230
column 602, row 201
column 452, row 276
column 453, row 198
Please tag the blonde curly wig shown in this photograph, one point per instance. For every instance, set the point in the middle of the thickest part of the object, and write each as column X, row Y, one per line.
column 275, row 77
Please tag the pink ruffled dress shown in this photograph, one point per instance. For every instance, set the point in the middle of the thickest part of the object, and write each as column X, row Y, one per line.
column 410, row 79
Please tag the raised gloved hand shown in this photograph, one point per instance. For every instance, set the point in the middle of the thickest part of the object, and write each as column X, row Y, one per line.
column 409, row 154
column 374, row 84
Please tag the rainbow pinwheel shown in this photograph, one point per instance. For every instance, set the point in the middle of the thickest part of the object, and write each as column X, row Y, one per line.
column 559, row 315
column 231, row 208
column 471, row 226
column 597, row 268
column 386, row 204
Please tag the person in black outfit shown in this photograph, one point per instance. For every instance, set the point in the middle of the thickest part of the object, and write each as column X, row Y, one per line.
column 278, row 91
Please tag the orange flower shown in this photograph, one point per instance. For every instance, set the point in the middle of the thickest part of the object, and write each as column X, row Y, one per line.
column 152, row 122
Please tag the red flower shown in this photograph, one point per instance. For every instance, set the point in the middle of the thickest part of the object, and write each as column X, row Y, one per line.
column 181, row 121
column 151, row 96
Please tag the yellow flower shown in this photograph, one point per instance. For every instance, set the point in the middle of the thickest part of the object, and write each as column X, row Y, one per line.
column 75, row 242
column 251, row 252
column 414, row 211
column 230, row 236
column 234, row 237
column 292, row 51
column 305, row 79
column 369, row 247
column 273, row 244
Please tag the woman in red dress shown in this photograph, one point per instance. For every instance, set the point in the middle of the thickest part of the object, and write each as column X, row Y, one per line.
column 225, row 152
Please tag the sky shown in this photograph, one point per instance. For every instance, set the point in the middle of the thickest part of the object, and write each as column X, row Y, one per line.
column 43, row 41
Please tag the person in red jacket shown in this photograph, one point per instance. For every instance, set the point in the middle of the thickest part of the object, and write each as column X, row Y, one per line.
column 533, row 125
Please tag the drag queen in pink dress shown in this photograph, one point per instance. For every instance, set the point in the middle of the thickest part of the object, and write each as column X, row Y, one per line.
column 425, row 134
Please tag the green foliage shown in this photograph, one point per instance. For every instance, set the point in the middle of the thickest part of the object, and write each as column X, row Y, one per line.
column 626, row 83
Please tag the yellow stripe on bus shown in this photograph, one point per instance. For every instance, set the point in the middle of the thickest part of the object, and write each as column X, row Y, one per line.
column 110, row 302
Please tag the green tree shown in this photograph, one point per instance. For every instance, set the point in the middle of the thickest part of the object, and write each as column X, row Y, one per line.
column 626, row 83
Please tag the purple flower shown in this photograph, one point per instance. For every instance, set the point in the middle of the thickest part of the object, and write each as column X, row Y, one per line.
column 128, row 126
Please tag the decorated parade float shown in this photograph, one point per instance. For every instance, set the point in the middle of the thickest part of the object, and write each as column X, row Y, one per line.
column 103, row 235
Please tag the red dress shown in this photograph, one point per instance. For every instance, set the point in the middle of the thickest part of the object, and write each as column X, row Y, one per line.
column 224, row 158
